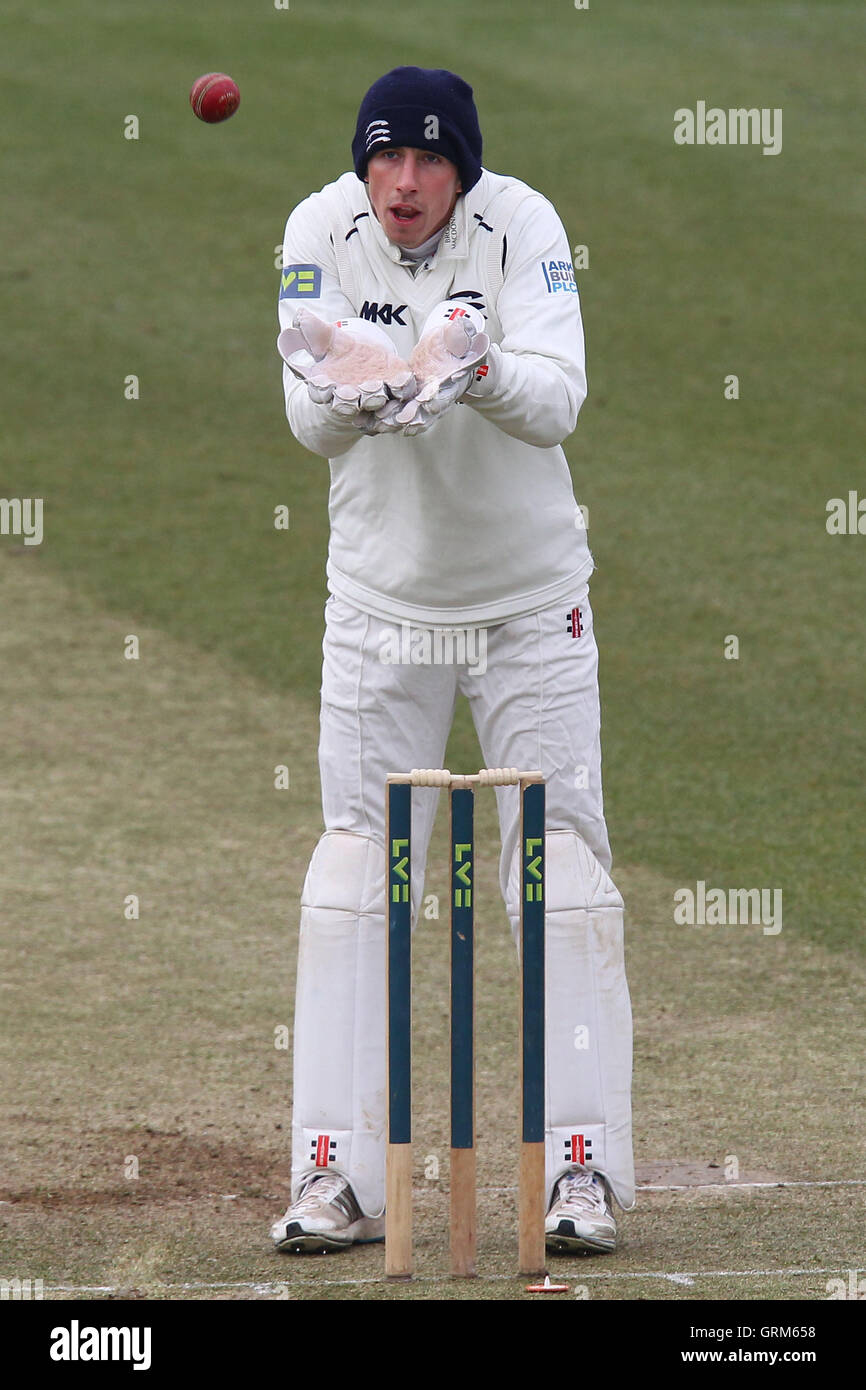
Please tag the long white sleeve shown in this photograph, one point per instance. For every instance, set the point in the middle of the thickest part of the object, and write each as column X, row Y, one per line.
column 537, row 372
column 306, row 245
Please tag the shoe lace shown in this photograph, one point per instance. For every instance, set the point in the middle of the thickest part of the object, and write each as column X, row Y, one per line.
column 582, row 1192
column 318, row 1190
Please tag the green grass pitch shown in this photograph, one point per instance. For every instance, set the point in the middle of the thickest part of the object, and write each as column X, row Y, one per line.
column 153, row 1039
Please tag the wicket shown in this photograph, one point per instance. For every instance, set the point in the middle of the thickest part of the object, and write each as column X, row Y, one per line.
column 398, row 1177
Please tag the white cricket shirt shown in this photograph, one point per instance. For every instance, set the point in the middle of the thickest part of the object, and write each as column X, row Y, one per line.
column 475, row 520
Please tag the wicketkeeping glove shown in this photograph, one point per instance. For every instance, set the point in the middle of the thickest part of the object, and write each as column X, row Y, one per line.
column 350, row 367
column 444, row 362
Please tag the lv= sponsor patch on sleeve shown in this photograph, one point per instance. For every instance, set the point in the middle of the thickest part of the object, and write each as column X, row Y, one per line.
column 300, row 282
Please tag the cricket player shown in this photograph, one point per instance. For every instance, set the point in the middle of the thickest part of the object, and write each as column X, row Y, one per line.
column 433, row 347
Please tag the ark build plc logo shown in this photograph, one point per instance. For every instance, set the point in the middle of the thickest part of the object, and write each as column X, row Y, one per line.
column 559, row 276
column 300, row 282
column 385, row 313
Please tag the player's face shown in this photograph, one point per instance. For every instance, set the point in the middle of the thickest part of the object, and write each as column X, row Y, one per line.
column 413, row 193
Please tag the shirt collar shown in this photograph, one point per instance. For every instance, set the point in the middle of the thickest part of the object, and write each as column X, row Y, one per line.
column 454, row 242
column 414, row 255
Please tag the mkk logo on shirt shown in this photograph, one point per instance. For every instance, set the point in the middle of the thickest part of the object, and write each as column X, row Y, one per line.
column 559, row 276
column 300, row 282
column 385, row 313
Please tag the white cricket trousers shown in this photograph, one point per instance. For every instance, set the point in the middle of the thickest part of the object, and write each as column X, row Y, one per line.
column 387, row 706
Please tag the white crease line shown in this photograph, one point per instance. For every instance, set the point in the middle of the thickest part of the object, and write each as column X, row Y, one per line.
column 705, row 1186
column 689, row 1276
column 579, row 1275
column 715, row 1186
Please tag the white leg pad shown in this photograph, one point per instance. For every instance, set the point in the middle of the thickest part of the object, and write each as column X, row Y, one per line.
column 588, row 1017
column 338, row 1117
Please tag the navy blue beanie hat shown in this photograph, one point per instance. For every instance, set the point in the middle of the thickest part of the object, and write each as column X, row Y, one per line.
column 424, row 109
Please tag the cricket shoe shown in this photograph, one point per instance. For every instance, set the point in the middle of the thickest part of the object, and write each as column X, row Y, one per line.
column 325, row 1217
column 580, row 1220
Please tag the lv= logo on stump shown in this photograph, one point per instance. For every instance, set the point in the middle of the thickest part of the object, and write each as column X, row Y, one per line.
column 398, row 1177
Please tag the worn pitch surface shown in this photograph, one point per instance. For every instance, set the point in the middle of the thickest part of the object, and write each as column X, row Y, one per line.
column 145, row 1092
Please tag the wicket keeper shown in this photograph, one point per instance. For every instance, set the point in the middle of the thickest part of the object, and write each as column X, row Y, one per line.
column 433, row 353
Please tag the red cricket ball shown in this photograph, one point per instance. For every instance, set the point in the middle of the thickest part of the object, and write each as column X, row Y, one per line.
column 214, row 97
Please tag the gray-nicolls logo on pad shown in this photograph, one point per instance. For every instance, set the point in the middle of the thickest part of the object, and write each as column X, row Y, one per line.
column 323, row 1150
